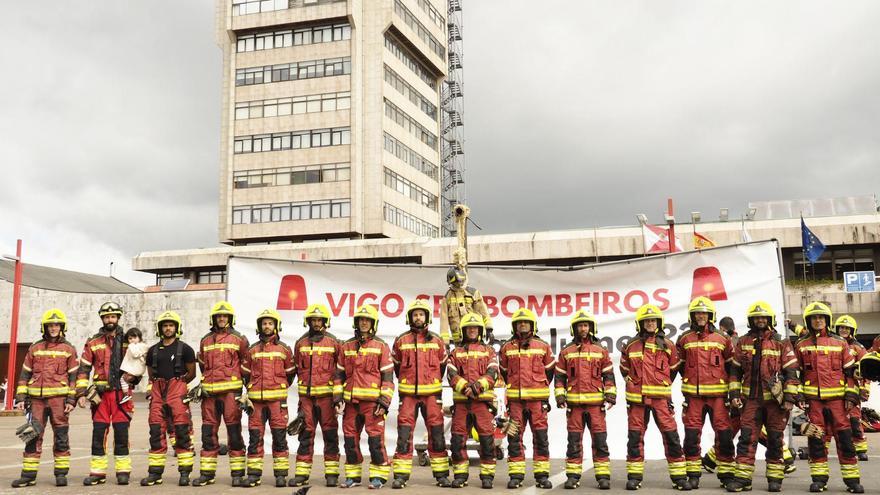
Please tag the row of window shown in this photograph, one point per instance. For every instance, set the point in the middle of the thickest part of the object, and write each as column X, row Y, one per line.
column 421, row 31
column 404, row 120
column 293, row 37
column 396, row 216
column 414, row 96
column 202, row 277
column 293, row 140
column 410, row 157
column 294, row 71
column 408, row 60
column 433, row 14
column 244, row 7
column 287, row 212
column 410, row 190
column 833, row 263
column 285, row 176
column 295, row 105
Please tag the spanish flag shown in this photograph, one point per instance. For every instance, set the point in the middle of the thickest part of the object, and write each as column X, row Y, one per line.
column 701, row 241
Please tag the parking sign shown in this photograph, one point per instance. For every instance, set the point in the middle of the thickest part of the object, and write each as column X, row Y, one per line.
column 859, row 281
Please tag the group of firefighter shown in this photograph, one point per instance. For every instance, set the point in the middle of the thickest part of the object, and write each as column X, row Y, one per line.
column 747, row 384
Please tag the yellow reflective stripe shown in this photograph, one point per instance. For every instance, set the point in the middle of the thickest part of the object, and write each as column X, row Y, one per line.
column 316, row 350
column 822, row 348
column 485, row 396
column 427, row 388
column 747, row 390
column 318, row 390
column 791, row 389
column 528, row 393
column 585, row 398
column 52, row 354
column 270, row 355
column 419, row 346
column 704, row 345
column 525, row 352
column 270, row 394
column 363, row 350
column 634, row 397
column 656, row 390
column 233, row 384
column 97, row 347
column 704, row 389
column 471, row 354
column 21, row 389
column 635, row 355
column 734, row 386
column 222, row 346
column 47, row 391
column 559, row 391
column 583, row 355
column 82, row 383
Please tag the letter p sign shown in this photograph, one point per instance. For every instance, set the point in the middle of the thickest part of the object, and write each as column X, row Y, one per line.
column 292, row 294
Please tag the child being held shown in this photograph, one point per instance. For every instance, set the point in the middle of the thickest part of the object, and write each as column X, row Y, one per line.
column 134, row 364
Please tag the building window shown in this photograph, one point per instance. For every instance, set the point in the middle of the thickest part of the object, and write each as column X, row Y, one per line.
column 295, row 105
column 306, row 174
column 396, row 216
column 402, row 87
column 833, row 264
column 403, row 119
column 294, row 140
column 433, row 14
column 414, row 65
column 293, row 37
column 418, row 194
column 421, row 31
column 244, row 7
column 410, row 157
column 293, row 71
column 211, row 277
column 284, row 212
column 161, row 278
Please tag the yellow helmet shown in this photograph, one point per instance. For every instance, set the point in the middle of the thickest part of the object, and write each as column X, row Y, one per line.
column 847, row 321
column 317, row 311
column 169, row 316
column 582, row 315
column 367, row 311
column 649, row 312
column 761, row 308
column 817, row 308
column 271, row 314
column 54, row 315
column 472, row 320
column 418, row 304
column 525, row 314
column 702, row 304
column 110, row 308
column 223, row 308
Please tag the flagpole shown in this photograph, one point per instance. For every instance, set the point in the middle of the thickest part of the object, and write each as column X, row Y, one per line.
column 803, row 254
column 596, row 241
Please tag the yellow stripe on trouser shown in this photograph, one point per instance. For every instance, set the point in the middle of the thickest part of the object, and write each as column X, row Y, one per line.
column 123, row 463
column 185, row 459
column 155, row 460
column 725, row 467
column 331, row 467
column 381, row 472
column 541, row 467
column 402, row 466
column 208, row 464
column 776, row 471
column 62, row 462
column 353, row 471
column 819, row 469
column 695, row 466
column 573, row 468
column 849, row 471
column 237, row 463
column 516, row 467
column 602, row 468
column 786, row 453
column 861, row 446
column 712, row 455
column 744, row 471
column 439, row 464
column 255, row 464
column 98, row 464
column 302, row 468
column 635, row 467
column 457, row 468
column 30, row 464
column 280, row 463
column 487, row 470
column 678, row 468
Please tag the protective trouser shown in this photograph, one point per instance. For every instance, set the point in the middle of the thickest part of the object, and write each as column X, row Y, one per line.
column 275, row 413
column 432, row 414
column 167, row 406
column 855, row 420
column 693, row 416
column 639, row 416
column 533, row 413
column 111, row 412
column 318, row 411
column 756, row 415
column 832, row 416
column 469, row 416
column 215, row 407
column 360, row 416
column 48, row 411
column 591, row 417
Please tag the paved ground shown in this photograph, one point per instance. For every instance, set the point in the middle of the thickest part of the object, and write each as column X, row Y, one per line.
column 656, row 476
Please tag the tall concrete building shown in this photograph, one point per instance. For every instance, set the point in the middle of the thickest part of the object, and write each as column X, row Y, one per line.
column 331, row 119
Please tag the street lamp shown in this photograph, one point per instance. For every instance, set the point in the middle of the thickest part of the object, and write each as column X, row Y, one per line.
column 642, row 218
column 750, row 213
column 695, row 217
column 724, row 215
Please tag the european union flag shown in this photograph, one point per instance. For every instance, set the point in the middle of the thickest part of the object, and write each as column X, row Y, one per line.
column 812, row 246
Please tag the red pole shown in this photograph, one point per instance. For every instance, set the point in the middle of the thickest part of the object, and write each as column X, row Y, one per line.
column 671, row 225
column 13, row 330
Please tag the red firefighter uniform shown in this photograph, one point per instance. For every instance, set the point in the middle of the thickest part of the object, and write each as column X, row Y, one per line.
column 171, row 367
column 101, row 358
column 472, row 372
column 706, row 354
column 316, row 355
column 46, row 382
column 364, row 377
column 829, row 390
column 419, row 357
column 221, row 353
column 527, row 365
column 648, row 364
column 584, row 383
column 762, row 361
column 858, row 351
column 269, row 370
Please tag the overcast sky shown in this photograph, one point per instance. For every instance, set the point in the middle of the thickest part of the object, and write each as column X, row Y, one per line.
column 577, row 113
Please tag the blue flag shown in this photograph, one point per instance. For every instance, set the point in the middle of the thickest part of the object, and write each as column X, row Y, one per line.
column 812, row 246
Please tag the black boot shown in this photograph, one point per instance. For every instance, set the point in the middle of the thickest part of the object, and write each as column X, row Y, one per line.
column 694, row 481
column 252, row 480
column 299, row 480
column 818, row 486
column 633, row 484
column 739, row 485
column 543, row 482
column 281, row 481
column 863, row 457
column 854, row 486
column 204, row 479
column 123, row 478
column 486, row 483
column 515, row 483
column 238, row 480
column 681, row 484
column 572, row 482
column 60, row 480
column 27, row 479
column 774, row 485
column 184, row 479
column 152, row 479
column 332, row 480
column 604, row 484
column 94, row 480
column 459, row 482
column 398, row 483
column 443, row 481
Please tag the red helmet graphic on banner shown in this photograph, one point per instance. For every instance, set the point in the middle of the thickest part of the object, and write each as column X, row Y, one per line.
column 708, row 283
column 292, row 294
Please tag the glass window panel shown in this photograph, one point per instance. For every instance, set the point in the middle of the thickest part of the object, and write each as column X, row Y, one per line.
column 328, row 105
column 313, row 176
column 314, row 104
column 282, row 179
column 284, row 108
column 270, row 110
column 343, row 174
column 299, row 177
column 346, row 209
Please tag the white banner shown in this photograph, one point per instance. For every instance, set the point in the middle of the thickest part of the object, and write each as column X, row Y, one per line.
column 732, row 276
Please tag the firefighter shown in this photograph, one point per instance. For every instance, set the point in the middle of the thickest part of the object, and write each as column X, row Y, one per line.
column 269, row 371
column 527, row 365
column 585, row 387
column 846, row 326
column 363, row 388
column 221, row 353
column 472, row 372
column 829, row 394
column 648, row 364
column 706, row 354
column 46, row 389
column 171, row 365
column 315, row 357
column 763, row 386
column 461, row 299
column 101, row 358
column 419, row 357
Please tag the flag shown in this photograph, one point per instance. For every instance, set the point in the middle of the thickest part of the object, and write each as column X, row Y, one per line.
column 701, row 241
column 657, row 240
column 812, row 246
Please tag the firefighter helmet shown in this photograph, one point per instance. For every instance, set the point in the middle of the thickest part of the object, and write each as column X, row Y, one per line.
column 702, row 304
column 761, row 308
column 649, row 312
column 317, row 310
column 817, row 308
column 524, row 314
column 472, row 320
column 223, row 308
column 418, row 304
column 272, row 315
column 582, row 315
column 110, row 308
column 54, row 315
column 369, row 312
column 847, row 321
column 456, row 277
column 169, row 316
